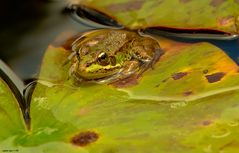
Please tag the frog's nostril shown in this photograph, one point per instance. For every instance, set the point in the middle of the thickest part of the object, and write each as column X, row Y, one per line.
column 87, row 64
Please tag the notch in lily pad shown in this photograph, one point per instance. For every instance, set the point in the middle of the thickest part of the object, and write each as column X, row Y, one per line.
column 21, row 91
column 191, row 33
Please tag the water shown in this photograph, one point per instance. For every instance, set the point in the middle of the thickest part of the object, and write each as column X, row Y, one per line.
column 230, row 47
column 27, row 28
column 25, row 35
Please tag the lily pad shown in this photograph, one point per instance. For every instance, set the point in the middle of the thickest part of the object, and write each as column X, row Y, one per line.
column 217, row 15
column 188, row 102
column 12, row 123
column 14, row 132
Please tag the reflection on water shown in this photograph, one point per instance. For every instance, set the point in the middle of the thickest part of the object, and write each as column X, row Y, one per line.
column 28, row 30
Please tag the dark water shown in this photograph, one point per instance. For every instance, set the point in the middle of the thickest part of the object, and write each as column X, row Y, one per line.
column 230, row 47
column 27, row 27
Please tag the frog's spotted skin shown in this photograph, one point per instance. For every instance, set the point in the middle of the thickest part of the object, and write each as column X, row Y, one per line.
column 110, row 55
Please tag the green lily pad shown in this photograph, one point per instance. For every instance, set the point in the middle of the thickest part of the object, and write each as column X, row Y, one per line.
column 188, row 103
column 13, row 132
column 219, row 15
column 12, row 123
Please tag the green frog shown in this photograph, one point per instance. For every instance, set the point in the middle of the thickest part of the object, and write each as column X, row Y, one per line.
column 111, row 55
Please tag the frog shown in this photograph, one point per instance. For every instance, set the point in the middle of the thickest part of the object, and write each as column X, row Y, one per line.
column 105, row 56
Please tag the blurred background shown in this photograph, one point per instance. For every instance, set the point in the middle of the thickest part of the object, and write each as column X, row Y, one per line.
column 28, row 27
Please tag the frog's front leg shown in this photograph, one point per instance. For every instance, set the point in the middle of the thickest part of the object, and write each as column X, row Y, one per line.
column 130, row 67
column 147, row 63
column 158, row 53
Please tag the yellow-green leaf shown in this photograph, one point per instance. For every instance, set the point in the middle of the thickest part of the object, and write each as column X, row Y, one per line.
column 219, row 15
column 188, row 103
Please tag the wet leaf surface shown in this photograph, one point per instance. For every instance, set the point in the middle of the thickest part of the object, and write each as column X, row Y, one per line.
column 172, row 108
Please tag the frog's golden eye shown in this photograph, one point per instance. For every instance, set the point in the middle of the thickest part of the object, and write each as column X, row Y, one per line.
column 102, row 56
column 103, row 59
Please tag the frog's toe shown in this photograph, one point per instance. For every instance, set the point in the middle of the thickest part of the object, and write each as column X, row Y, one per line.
column 158, row 53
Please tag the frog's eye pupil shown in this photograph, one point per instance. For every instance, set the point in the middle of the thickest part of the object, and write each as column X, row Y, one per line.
column 103, row 59
column 102, row 56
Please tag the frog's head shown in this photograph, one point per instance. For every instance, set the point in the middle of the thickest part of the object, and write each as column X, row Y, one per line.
column 96, row 66
column 101, row 54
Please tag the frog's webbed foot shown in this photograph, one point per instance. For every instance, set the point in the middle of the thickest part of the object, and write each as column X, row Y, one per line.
column 158, row 53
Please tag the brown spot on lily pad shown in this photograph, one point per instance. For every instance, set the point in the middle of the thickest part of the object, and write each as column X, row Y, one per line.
column 228, row 20
column 215, row 77
column 206, row 123
column 83, row 111
column 126, row 82
column 179, row 75
column 205, row 71
column 128, row 6
column 187, row 93
column 165, row 80
column 84, row 138
column 216, row 3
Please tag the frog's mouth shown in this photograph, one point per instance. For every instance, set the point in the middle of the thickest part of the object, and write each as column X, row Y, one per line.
column 97, row 73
